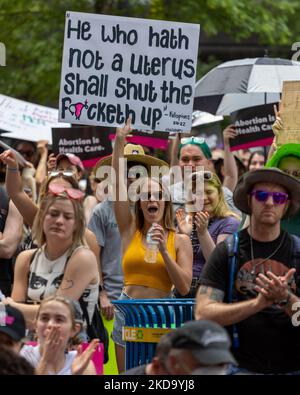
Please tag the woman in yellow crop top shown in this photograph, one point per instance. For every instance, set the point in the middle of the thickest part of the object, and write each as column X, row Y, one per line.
column 173, row 267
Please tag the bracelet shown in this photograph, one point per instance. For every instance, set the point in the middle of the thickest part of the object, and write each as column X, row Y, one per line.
column 13, row 169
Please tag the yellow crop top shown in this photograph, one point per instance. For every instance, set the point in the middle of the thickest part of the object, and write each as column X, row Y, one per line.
column 138, row 272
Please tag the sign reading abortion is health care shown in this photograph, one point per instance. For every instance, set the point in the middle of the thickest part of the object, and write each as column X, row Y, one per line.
column 89, row 143
column 115, row 67
column 253, row 126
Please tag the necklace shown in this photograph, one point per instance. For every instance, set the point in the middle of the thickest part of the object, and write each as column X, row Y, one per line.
column 51, row 257
column 265, row 259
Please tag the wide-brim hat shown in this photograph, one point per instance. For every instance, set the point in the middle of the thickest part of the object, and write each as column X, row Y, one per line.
column 133, row 153
column 266, row 175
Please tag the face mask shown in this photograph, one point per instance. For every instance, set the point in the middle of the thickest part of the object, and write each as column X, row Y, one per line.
column 210, row 371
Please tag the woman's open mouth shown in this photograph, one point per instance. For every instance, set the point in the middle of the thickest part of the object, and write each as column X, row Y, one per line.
column 152, row 210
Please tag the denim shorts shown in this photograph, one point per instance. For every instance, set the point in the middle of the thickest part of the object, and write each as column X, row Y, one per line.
column 119, row 322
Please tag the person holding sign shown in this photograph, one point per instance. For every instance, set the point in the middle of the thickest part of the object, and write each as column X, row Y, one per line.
column 287, row 159
column 173, row 266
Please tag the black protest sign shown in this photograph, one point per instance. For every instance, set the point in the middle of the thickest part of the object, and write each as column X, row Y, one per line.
column 253, row 126
column 86, row 142
column 116, row 67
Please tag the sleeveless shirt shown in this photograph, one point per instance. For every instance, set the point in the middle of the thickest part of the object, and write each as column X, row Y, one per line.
column 138, row 272
column 45, row 277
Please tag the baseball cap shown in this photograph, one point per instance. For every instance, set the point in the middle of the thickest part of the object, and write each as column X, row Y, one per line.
column 207, row 340
column 75, row 160
column 12, row 322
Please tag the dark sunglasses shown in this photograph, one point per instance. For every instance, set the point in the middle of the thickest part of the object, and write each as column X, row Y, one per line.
column 146, row 196
column 207, row 175
column 263, row 196
column 72, row 193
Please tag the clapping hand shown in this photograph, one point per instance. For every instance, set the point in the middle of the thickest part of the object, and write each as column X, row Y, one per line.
column 83, row 358
column 201, row 222
column 272, row 287
column 185, row 222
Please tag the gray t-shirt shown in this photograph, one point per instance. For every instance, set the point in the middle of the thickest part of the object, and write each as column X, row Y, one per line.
column 103, row 224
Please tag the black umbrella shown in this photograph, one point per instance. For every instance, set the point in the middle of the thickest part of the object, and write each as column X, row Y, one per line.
column 243, row 83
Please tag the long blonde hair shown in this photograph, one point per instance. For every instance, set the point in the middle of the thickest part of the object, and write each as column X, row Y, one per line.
column 79, row 228
column 168, row 222
column 221, row 210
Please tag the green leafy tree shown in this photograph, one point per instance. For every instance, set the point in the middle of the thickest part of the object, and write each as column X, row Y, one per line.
column 33, row 31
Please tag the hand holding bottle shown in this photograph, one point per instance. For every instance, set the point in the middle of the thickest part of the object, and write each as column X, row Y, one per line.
column 158, row 234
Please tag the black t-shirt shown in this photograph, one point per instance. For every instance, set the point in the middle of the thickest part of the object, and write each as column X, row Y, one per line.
column 269, row 343
column 6, row 269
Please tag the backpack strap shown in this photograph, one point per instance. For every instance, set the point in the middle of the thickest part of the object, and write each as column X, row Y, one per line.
column 232, row 243
column 85, row 313
column 295, row 251
column 295, row 257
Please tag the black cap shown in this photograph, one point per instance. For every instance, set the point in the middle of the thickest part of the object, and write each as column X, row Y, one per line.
column 208, row 341
column 12, row 322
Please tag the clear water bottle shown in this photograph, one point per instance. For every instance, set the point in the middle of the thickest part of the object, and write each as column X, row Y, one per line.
column 152, row 247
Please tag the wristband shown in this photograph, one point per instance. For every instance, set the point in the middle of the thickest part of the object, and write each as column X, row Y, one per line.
column 283, row 303
column 13, row 169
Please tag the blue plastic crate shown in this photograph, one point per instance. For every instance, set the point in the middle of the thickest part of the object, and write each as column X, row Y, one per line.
column 144, row 314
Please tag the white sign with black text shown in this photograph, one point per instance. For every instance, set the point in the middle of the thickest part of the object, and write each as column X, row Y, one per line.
column 115, row 67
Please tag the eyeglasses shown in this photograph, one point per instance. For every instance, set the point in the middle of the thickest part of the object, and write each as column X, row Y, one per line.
column 263, row 196
column 146, row 196
column 66, row 173
column 188, row 140
column 57, row 189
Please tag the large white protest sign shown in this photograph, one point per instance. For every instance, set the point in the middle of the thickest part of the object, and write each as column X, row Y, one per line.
column 114, row 68
column 27, row 121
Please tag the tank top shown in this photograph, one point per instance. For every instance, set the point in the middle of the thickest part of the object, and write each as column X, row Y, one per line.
column 45, row 277
column 138, row 272
column 33, row 356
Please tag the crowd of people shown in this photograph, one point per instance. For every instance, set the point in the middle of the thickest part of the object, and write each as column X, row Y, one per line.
column 223, row 230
